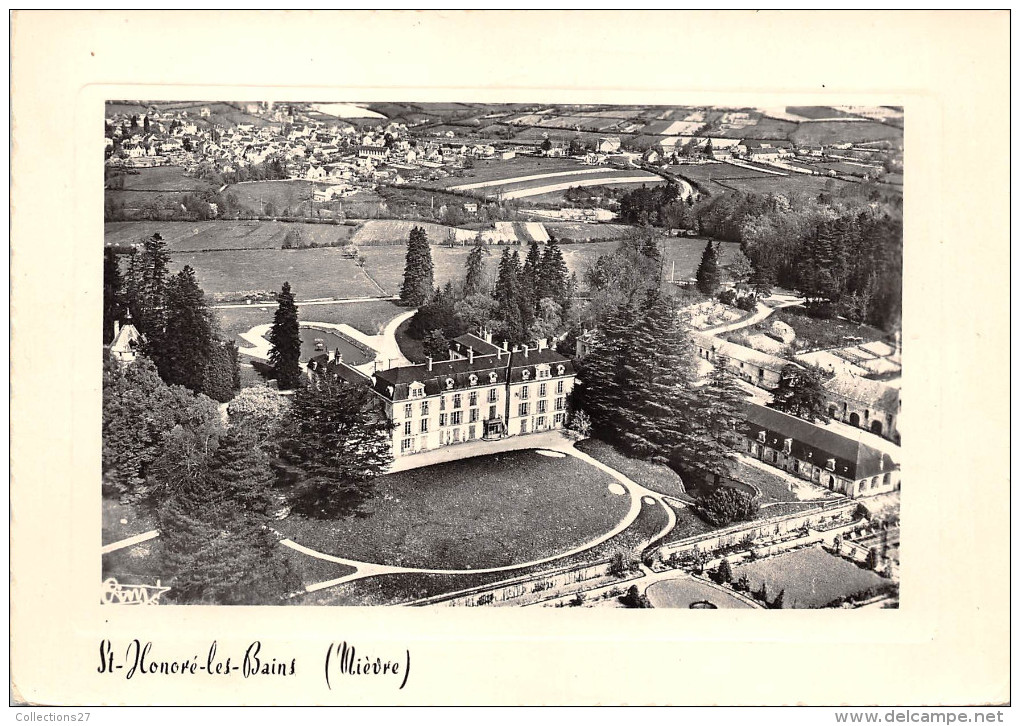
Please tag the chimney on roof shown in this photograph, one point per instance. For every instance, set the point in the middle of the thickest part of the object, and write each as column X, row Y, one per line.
column 505, row 344
column 471, row 355
column 428, row 360
column 116, row 328
column 525, row 350
column 543, row 344
column 488, row 337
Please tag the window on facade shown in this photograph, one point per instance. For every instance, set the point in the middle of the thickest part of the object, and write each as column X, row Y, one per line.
column 455, row 417
column 543, row 388
column 474, row 415
column 558, row 419
column 524, row 392
column 424, row 425
column 540, row 422
column 424, row 408
column 524, row 426
column 456, row 435
column 886, row 479
column 492, row 412
column 408, row 412
column 493, row 394
column 559, row 386
column 541, row 405
column 561, row 403
column 522, row 410
column 407, row 428
column 473, row 398
column 405, row 446
column 442, row 403
column 471, row 433
column 442, row 419
column 456, row 401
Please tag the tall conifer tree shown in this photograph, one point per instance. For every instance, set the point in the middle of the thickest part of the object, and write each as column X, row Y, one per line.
column 418, row 270
column 708, row 274
column 185, row 350
column 285, row 340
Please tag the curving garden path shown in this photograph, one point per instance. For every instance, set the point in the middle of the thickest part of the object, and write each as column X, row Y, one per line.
column 561, row 444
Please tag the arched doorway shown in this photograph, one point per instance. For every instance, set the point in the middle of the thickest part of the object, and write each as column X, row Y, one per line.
column 876, row 427
column 855, row 420
column 832, row 412
column 832, row 482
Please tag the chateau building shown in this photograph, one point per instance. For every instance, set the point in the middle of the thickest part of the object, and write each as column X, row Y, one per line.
column 864, row 403
column 483, row 391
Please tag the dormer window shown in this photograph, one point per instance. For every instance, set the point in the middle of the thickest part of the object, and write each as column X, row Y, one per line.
column 417, row 390
column 473, row 379
column 830, row 465
column 449, row 383
column 761, row 436
column 492, row 377
column 787, row 446
column 559, row 370
column 526, row 374
column 542, row 371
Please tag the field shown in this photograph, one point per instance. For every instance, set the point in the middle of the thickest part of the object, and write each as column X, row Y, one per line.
column 472, row 513
column 685, row 253
column 313, row 273
column 397, row 232
column 682, row 592
column 810, row 577
column 486, row 170
column 581, row 231
column 792, row 184
column 834, row 132
column 280, row 194
column 226, row 235
column 164, row 179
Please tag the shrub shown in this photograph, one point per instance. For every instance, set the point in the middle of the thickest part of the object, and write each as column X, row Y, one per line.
column 634, row 599
column 618, row 567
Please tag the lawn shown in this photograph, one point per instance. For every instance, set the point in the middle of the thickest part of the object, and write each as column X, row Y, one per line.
column 773, row 487
column 368, row 317
column 393, row 589
column 410, row 348
column 488, row 511
column 814, row 333
column 683, row 591
column 811, row 577
column 657, row 477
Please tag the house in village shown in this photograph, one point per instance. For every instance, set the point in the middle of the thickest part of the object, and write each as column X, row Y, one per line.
column 815, row 453
column 608, row 144
column 483, row 391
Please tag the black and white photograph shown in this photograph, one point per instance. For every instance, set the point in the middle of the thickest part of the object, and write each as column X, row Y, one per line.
column 403, row 363
column 495, row 355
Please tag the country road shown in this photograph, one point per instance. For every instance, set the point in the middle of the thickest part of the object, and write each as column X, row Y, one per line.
column 535, row 191
column 342, row 301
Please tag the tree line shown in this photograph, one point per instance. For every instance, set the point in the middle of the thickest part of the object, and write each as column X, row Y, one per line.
column 527, row 300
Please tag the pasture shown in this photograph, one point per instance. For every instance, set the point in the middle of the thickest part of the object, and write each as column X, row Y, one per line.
column 834, row 132
column 164, row 179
